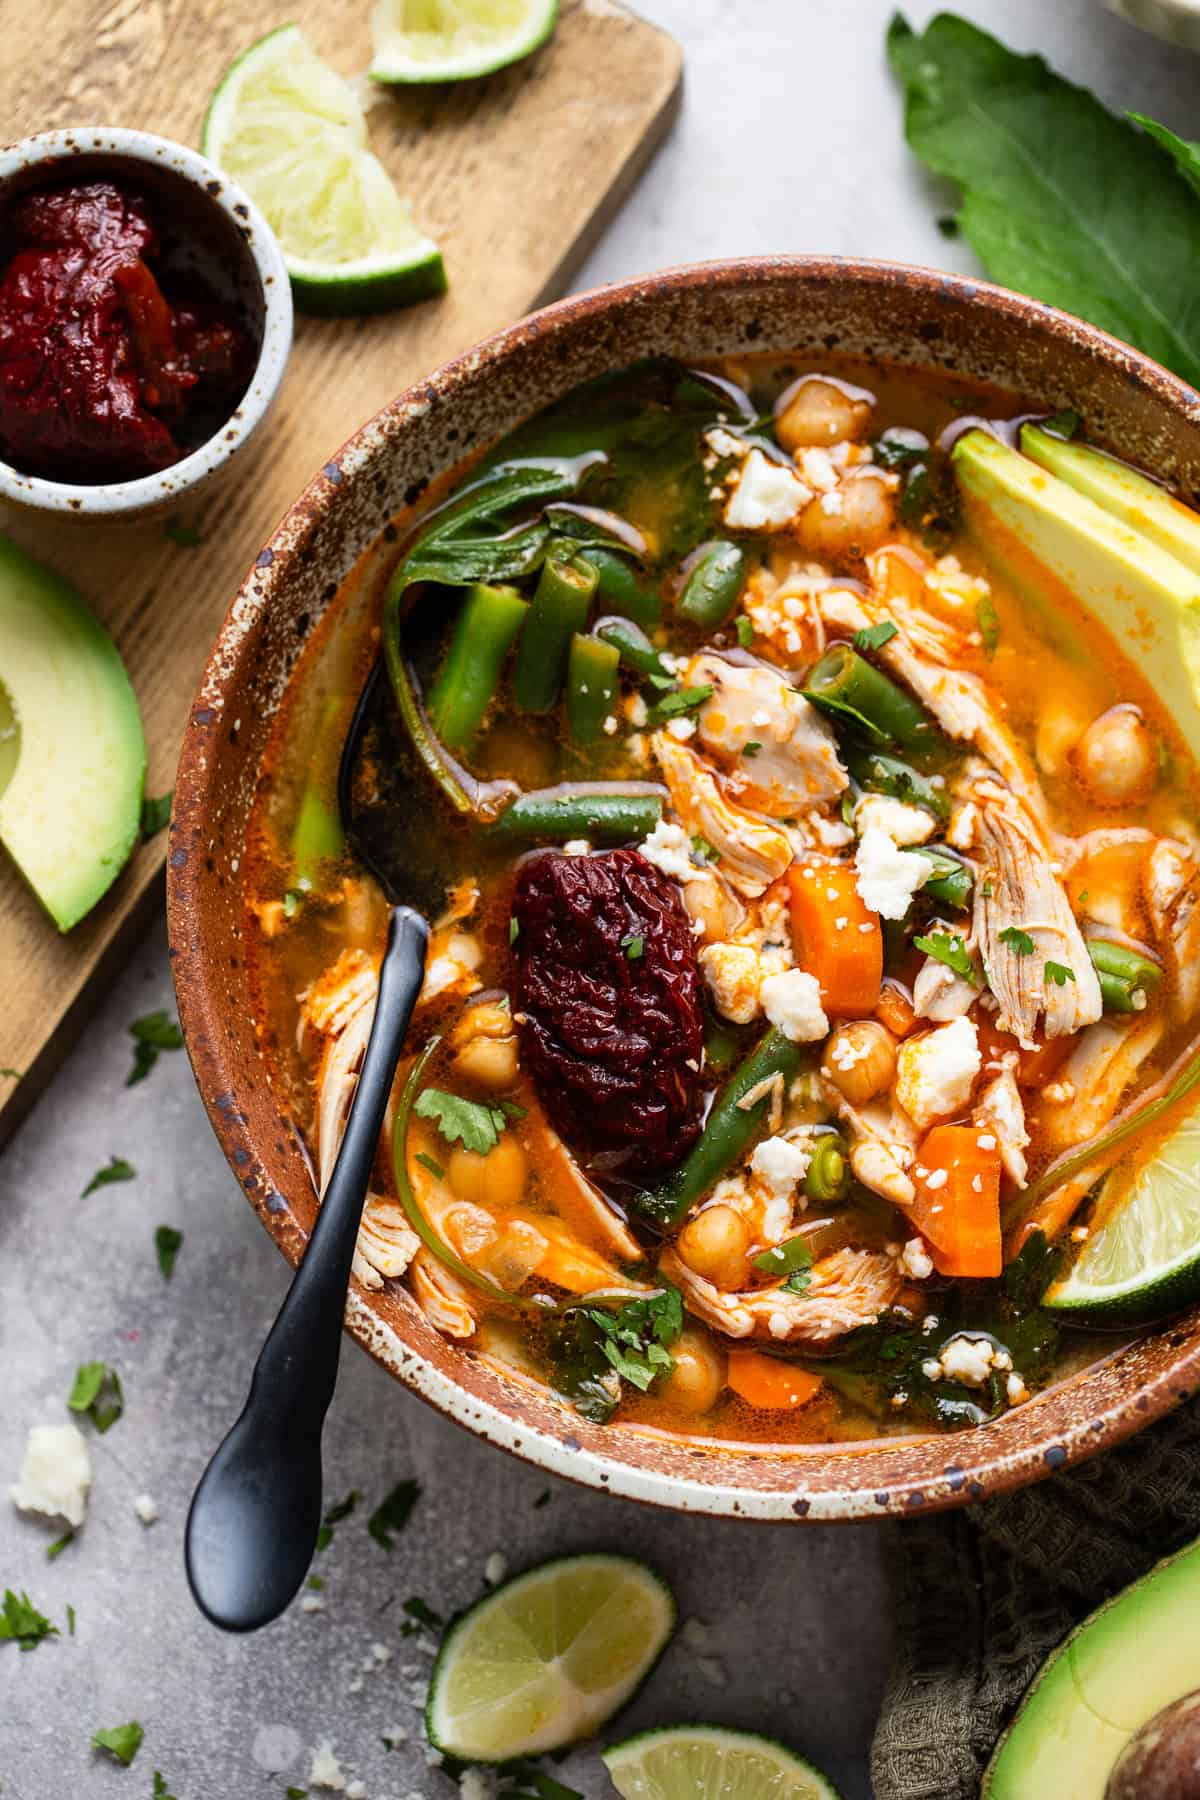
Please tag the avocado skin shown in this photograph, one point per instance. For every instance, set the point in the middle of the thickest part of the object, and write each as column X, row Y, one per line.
column 1136, row 1655
column 70, row 803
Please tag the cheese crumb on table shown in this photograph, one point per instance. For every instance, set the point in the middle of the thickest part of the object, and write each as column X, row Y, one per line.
column 146, row 1509
column 495, row 1568
column 56, row 1473
column 326, row 1770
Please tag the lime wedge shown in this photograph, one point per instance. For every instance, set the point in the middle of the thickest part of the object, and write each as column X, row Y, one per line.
column 684, row 1762
column 292, row 133
column 453, row 40
column 547, row 1658
column 1142, row 1259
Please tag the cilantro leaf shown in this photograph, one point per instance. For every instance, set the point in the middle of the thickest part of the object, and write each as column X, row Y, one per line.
column 1061, row 200
column 874, row 637
column 988, row 622
column 792, row 1257
column 949, row 949
column 156, row 1031
column 97, row 1393
column 1066, row 423
column 680, row 700
column 12, row 1074
column 21, row 1622
column 56, row 1549
column 392, row 1513
column 634, row 1337
column 467, row 1122
column 421, row 1613
column 633, row 946
column 745, row 631
column 1021, row 942
column 160, row 1788
column 156, row 815
column 703, row 852
column 167, row 1243
column 116, row 1169
column 121, row 1741
column 1059, row 973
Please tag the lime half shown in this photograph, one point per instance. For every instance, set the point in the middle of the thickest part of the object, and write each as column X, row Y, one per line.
column 547, row 1658
column 454, row 40
column 293, row 134
column 1142, row 1260
column 691, row 1762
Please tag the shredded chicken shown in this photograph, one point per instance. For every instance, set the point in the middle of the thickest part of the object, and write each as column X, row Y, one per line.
column 793, row 762
column 1001, row 1111
column 848, row 1289
column 1094, row 1078
column 753, row 853
column 1022, row 894
column 446, row 1301
column 1172, row 888
column 386, row 1243
column 883, row 1140
column 938, row 993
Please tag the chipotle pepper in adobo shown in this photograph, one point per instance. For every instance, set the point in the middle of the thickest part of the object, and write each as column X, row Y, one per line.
column 102, row 376
column 608, row 1001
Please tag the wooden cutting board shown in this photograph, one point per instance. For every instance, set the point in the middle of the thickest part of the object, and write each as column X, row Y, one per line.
column 515, row 176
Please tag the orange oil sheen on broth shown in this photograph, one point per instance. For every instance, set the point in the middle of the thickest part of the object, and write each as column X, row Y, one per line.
column 1041, row 666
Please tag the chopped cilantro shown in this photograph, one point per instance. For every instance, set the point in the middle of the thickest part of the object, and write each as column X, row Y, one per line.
column 155, row 814
column 435, row 1169
column 467, row 1122
column 337, row 1512
column 531, row 1783
column 160, row 1787
column 745, row 631
column 987, row 890
column 1020, row 941
column 392, row 1513
column 680, row 700
column 183, row 534
column 70, row 1621
column 97, row 1392
column 752, row 748
column 59, row 1545
column 116, row 1169
column 790, row 1258
column 874, row 637
column 633, row 947
column 543, row 1499
column 420, row 1613
column 948, row 948
column 167, row 1243
column 514, row 930
column 703, row 852
column 988, row 623
column 295, row 1793
column 1062, row 424
column 634, row 1338
column 156, row 1031
column 1059, row 973
column 798, row 1281
column 121, row 1741
column 12, row 1074
column 21, row 1622
column 315, row 1583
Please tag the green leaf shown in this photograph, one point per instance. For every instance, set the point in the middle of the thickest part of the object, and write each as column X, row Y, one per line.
column 988, row 622
column 745, row 631
column 121, row 1741
column 791, row 1257
column 1059, row 973
column 21, row 1623
column 752, row 748
column 633, row 947
column 1020, row 941
column 156, row 1031
column 703, row 852
column 316, row 1583
column 1061, row 200
column 56, row 1549
column 435, row 1169
column 156, row 814
column 799, row 1281
column 950, row 949
column 1062, row 424
column 420, row 1614
column 341, row 1509
column 11, row 1074
column 70, row 1621
column 874, row 637
column 678, row 701
column 97, row 1393
column 392, row 1514
column 160, row 1788
column 116, row 1169
column 467, row 1122
column 1184, row 155
column 167, row 1243
column 634, row 1338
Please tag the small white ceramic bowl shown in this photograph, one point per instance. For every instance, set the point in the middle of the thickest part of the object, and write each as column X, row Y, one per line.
column 1178, row 21
column 235, row 251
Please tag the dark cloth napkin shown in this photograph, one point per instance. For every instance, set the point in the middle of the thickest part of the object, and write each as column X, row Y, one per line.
column 981, row 1596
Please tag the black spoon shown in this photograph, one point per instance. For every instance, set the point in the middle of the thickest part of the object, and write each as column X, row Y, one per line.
column 255, row 1516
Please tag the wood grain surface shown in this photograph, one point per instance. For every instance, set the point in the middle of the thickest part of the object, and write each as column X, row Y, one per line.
column 514, row 175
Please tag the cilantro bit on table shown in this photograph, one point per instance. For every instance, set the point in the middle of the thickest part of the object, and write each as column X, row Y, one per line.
column 21, row 1623
column 340, row 1510
column 167, row 1244
column 161, row 1791
column 470, row 1123
column 12, row 1074
column 59, row 1545
column 392, row 1513
column 948, row 948
column 1020, row 941
column 1059, row 973
column 70, row 1621
column 121, row 1741
column 156, row 1031
column 156, row 815
column 420, row 1614
column 97, row 1393
column 874, row 637
column 116, row 1169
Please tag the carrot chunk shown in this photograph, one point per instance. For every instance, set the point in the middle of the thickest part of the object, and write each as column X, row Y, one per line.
column 768, row 1383
column 957, row 1207
column 895, row 1010
column 836, row 938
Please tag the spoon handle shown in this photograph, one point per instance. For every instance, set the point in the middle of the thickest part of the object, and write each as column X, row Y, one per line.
column 255, row 1516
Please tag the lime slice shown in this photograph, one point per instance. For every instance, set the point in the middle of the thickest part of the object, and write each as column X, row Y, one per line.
column 292, row 133
column 1142, row 1260
column 685, row 1762
column 453, row 40
column 547, row 1658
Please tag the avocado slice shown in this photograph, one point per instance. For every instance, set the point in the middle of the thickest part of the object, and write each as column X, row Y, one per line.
column 72, row 752
column 1123, row 492
column 1134, row 1656
column 1043, row 535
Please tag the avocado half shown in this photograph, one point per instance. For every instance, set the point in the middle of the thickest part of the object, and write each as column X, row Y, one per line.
column 1135, row 1656
column 1045, row 535
column 72, row 751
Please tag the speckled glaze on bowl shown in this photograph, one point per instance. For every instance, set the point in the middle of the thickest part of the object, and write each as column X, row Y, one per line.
column 907, row 316
column 234, row 242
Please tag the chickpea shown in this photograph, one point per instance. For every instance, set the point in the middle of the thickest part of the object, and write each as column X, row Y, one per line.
column 865, row 517
column 710, row 903
column 860, row 1060
column 1117, row 757
column 815, row 410
column 487, row 1046
column 494, row 1180
column 696, row 1381
column 714, row 1244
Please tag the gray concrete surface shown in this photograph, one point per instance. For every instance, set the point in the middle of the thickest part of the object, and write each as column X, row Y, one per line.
column 789, row 139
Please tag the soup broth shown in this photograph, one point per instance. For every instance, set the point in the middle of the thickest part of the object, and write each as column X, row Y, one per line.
column 795, row 907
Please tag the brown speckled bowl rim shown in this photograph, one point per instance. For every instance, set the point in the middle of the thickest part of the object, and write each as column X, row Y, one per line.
column 1065, row 1424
